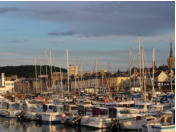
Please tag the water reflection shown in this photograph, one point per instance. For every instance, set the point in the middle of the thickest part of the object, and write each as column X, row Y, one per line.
column 13, row 125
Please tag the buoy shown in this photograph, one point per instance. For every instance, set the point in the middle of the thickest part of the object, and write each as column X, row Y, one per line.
column 63, row 116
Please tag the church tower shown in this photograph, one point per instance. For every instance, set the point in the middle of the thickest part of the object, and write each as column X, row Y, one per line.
column 171, row 58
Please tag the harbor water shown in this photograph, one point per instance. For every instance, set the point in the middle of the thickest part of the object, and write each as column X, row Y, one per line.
column 14, row 125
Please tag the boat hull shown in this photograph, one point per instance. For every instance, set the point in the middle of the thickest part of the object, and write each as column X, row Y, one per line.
column 96, row 122
column 158, row 128
column 50, row 118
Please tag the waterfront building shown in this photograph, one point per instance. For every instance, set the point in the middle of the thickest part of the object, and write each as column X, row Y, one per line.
column 6, row 86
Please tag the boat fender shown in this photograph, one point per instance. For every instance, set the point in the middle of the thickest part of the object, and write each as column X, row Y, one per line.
column 63, row 116
column 138, row 118
column 165, row 119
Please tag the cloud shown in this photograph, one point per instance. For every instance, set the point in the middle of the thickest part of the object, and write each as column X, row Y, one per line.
column 8, row 9
column 105, row 18
column 18, row 41
column 61, row 33
column 2, row 54
column 160, row 38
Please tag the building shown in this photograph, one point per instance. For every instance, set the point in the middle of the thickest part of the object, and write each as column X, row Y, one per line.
column 119, row 83
column 6, row 86
column 171, row 58
column 73, row 70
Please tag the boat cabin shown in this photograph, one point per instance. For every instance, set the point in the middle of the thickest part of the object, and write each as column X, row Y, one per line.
column 125, row 104
column 70, row 108
column 85, row 110
column 50, row 108
column 10, row 105
column 116, row 111
column 168, row 118
column 142, row 106
column 99, row 111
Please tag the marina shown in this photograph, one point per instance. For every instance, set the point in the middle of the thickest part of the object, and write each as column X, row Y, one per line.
column 63, row 106
column 87, row 66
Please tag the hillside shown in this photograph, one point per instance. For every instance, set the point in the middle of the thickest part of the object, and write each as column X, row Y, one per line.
column 27, row 70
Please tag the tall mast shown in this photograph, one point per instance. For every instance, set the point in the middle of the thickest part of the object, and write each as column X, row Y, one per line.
column 46, row 69
column 153, row 88
column 40, row 79
column 96, row 83
column 130, row 65
column 81, row 69
column 143, row 71
column 61, row 79
column 139, row 59
column 68, row 86
column 51, row 69
column 35, row 75
column 134, row 68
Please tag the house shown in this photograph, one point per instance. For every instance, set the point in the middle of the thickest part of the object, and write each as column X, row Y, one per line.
column 6, row 86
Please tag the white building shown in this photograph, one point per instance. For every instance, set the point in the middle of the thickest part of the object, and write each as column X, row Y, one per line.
column 6, row 86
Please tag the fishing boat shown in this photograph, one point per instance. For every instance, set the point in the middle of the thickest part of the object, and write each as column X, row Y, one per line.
column 98, row 119
column 51, row 113
column 10, row 109
column 70, row 113
column 30, row 111
column 164, row 124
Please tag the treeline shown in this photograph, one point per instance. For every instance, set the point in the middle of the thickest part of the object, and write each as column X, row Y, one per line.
column 28, row 71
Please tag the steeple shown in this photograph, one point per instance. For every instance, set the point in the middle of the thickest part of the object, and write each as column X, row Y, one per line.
column 171, row 51
column 171, row 58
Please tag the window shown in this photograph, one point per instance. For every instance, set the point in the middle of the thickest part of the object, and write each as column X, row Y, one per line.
column 50, row 107
column 54, row 109
column 44, row 108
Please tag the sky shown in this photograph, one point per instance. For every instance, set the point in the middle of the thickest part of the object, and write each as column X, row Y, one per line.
column 102, row 31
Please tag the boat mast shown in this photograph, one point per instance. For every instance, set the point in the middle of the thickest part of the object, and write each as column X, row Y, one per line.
column 143, row 71
column 81, row 69
column 130, row 65
column 35, row 76
column 96, row 81
column 153, row 80
column 61, row 79
column 139, row 60
column 134, row 83
column 171, row 79
column 40, row 79
column 51, row 69
column 68, row 85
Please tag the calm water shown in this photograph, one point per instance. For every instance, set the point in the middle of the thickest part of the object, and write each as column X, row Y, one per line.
column 13, row 125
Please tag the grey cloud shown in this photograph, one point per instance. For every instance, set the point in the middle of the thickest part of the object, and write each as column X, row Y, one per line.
column 106, row 18
column 8, row 9
column 61, row 33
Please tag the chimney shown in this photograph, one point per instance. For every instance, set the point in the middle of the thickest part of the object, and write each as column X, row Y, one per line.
column 3, row 79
